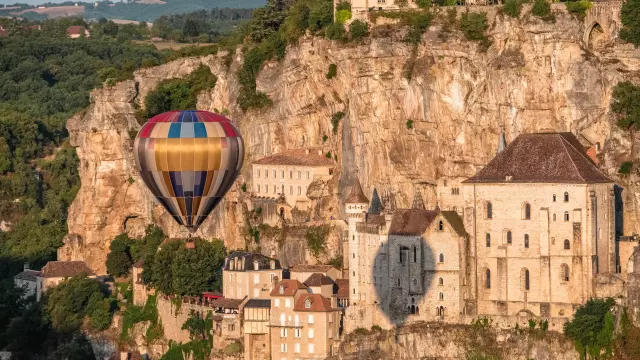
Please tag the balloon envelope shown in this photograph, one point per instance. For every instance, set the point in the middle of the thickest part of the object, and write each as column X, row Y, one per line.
column 189, row 160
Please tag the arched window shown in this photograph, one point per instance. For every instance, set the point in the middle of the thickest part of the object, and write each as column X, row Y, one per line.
column 274, row 189
column 489, row 211
column 487, row 279
column 567, row 244
column 299, row 190
column 488, row 238
column 440, row 281
column 299, row 174
column 564, row 272
column 258, row 187
column 526, row 212
column 566, row 216
column 509, row 237
column 554, row 217
column 415, row 282
column 441, row 296
column 290, row 189
column 307, row 174
column 525, row 279
column 566, row 197
column 290, row 174
column 440, row 225
column 415, row 254
column 554, row 197
column 400, row 253
column 526, row 241
column 282, row 174
column 441, row 258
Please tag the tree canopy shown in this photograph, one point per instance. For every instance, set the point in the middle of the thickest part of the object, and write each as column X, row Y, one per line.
column 630, row 18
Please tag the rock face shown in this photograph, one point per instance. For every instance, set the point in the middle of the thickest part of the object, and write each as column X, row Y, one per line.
column 536, row 76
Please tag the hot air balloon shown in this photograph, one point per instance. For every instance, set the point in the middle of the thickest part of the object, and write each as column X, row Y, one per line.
column 189, row 160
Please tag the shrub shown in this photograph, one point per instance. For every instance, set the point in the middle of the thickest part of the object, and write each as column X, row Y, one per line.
column 358, row 29
column 512, row 8
column 541, row 8
column 423, row 4
column 324, row 138
column 473, row 25
column 592, row 328
column 337, row 262
column 179, row 94
column 316, row 237
column 578, row 7
column 342, row 16
column 626, row 104
column 402, row 3
column 361, row 331
column 232, row 348
column 335, row 121
column 409, row 124
column 119, row 259
column 532, row 324
column 333, row 70
column 625, row 168
column 630, row 18
column 343, row 5
column 244, row 187
column 335, row 31
column 328, row 155
column 376, row 328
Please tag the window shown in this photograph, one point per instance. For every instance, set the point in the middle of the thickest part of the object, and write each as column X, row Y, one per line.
column 440, row 281
column 299, row 174
column 274, row 173
column 455, row 191
column 273, row 276
column 526, row 241
column 296, row 333
column 310, row 319
column 290, row 174
column 566, row 216
column 258, row 187
column 554, row 217
column 287, row 303
column 283, row 332
column 353, row 255
column 266, row 173
column 310, row 333
column 398, row 282
column 282, row 190
column 291, row 190
column 282, row 174
column 307, row 304
column 527, row 211
column 567, row 244
column 488, row 238
column 415, row 282
column 312, row 349
column 489, row 211
column 274, row 189
column 401, row 254
column 525, row 279
column 564, row 272
column 441, row 258
column 487, row 279
column 415, row 253
column 299, row 190
column 283, row 348
column 509, row 238
column 258, row 173
column 441, row 296
column 566, row 197
column 307, row 174
column 296, row 348
column 281, row 290
column 440, row 225
column 256, row 277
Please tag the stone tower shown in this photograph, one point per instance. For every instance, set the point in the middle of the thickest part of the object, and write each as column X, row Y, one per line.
column 355, row 205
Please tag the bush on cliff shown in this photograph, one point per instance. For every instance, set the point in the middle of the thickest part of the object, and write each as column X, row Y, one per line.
column 592, row 328
column 119, row 259
column 579, row 7
column 358, row 29
column 625, row 105
column 630, row 18
column 541, row 8
column 512, row 8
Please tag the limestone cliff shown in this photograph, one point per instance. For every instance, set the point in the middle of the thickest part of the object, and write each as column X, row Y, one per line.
column 536, row 76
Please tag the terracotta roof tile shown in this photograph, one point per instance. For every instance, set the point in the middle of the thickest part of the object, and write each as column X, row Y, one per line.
column 356, row 196
column 296, row 157
column 541, row 158
column 65, row 269
column 317, row 303
column 75, row 30
column 311, row 268
column 411, row 222
column 226, row 303
column 289, row 288
column 343, row 288
column 317, row 279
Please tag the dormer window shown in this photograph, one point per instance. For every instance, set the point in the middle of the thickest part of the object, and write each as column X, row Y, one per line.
column 307, row 304
column 281, row 290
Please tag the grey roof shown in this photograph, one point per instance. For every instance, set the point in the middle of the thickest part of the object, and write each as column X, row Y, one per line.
column 264, row 262
column 28, row 275
column 258, row 303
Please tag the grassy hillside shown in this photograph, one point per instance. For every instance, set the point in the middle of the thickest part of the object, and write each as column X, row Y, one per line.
column 150, row 12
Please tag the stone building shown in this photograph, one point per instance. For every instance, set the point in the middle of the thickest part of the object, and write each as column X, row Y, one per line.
column 289, row 174
column 360, row 8
column 249, row 275
column 55, row 272
column 304, row 325
column 257, row 334
column 302, row 272
column 27, row 280
column 543, row 222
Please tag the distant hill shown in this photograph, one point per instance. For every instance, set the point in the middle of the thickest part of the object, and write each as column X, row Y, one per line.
column 149, row 10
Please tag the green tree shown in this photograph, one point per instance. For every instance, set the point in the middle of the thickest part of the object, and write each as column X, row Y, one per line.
column 473, row 25
column 512, row 8
column 333, row 70
column 358, row 29
column 541, row 8
column 592, row 328
column 626, row 105
column 66, row 304
column 197, row 270
column 196, row 326
column 335, row 31
column 630, row 18
column 119, row 259
column 5, row 156
column 423, row 4
column 161, row 273
column 342, row 16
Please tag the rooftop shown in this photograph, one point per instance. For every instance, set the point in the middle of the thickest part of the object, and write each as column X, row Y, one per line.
column 356, row 196
column 245, row 262
column 317, row 303
column 541, row 158
column 258, row 303
column 455, row 221
column 76, row 30
column 226, row 303
column 411, row 222
column 343, row 288
column 287, row 288
column 311, row 268
column 318, row 279
column 28, row 275
column 296, row 157
column 65, row 269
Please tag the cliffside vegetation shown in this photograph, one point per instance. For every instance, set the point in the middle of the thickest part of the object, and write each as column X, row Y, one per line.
column 199, row 26
column 630, row 18
column 125, row 251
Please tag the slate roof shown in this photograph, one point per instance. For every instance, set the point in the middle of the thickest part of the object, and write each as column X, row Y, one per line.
column 226, row 303
column 343, row 288
column 258, row 303
column 28, row 275
column 65, row 269
column 319, row 303
column 410, row 222
column 356, row 196
column 264, row 262
column 296, row 157
column 289, row 288
column 317, row 279
column 455, row 221
column 375, row 219
column 311, row 268
column 541, row 158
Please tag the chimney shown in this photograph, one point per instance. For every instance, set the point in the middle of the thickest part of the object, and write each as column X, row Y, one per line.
column 26, row 266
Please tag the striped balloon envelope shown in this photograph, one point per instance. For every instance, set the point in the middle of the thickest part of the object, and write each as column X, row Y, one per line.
column 189, row 160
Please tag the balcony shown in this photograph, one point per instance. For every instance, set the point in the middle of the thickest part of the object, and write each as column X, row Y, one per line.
column 287, row 324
